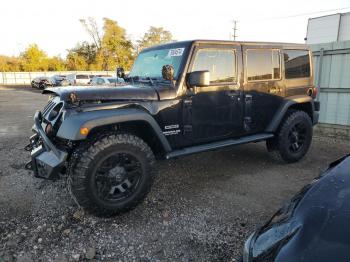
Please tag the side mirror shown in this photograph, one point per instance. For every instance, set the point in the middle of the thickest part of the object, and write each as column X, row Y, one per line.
column 168, row 72
column 120, row 72
column 199, row 78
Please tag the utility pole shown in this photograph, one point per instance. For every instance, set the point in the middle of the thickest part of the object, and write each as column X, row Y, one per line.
column 234, row 29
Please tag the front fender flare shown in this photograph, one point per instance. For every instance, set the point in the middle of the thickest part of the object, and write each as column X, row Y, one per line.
column 70, row 128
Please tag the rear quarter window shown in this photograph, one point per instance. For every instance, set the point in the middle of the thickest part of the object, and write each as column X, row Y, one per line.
column 296, row 63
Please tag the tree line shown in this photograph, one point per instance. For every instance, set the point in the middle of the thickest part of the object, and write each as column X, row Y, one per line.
column 109, row 48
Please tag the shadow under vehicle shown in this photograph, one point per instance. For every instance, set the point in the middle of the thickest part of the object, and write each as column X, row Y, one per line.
column 313, row 226
column 179, row 98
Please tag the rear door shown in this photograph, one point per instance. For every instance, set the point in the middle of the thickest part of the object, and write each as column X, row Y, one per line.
column 298, row 73
column 263, row 85
column 214, row 112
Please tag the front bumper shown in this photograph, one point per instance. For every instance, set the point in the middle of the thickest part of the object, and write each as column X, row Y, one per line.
column 46, row 160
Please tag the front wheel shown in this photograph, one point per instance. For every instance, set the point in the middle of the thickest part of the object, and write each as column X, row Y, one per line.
column 112, row 174
column 293, row 138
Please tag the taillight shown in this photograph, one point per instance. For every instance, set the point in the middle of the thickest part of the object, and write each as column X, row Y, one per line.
column 312, row 92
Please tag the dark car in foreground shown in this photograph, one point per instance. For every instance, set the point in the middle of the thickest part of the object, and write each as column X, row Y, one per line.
column 313, row 226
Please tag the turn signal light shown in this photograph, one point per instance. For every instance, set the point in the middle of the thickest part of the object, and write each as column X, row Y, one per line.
column 84, row 131
column 48, row 129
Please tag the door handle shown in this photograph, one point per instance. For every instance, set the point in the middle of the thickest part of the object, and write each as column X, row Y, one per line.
column 275, row 90
column 234, row 95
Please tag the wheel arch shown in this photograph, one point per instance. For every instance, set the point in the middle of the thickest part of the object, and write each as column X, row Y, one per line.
column 129, row 120
column 302, row 103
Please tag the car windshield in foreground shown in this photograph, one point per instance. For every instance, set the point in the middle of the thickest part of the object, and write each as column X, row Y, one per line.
column 149, row 64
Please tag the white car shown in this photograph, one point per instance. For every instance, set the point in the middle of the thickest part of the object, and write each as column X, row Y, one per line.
column 78, row 79
column 107, row 81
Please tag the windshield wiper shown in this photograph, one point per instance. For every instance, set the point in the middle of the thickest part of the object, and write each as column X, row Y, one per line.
column 150, row 80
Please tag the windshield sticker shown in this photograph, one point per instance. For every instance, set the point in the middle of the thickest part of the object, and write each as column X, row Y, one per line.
column 176, row 52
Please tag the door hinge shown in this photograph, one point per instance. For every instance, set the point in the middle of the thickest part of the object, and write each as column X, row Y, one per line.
column 247, row 123
column 187, row 129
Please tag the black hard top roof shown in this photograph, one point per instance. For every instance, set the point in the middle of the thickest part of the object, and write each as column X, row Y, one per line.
column 203, row 41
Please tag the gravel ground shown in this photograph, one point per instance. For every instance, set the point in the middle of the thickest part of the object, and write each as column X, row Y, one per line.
column 201, row 208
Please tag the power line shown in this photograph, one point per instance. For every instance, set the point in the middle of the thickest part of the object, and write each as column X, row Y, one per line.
column 298, row 15
column 311, row 13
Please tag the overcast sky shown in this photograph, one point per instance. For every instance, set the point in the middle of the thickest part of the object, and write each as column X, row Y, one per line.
column 54, row 25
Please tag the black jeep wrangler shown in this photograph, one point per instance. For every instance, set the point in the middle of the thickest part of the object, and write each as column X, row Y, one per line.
column 179, row 99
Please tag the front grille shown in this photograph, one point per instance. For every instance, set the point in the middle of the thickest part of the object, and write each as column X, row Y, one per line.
column 48, row 107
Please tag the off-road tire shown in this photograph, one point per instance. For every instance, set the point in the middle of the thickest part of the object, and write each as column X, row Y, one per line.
column 279, row 146
column 81, row 172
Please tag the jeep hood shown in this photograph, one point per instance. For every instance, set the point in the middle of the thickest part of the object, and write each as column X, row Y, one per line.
column 105, row 93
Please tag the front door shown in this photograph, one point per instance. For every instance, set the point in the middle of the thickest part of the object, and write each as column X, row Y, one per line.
column 214, row 112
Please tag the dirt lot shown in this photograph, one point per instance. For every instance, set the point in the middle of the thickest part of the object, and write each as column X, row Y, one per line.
column 201, row 208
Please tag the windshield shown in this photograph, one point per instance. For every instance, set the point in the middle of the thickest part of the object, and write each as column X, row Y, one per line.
column 150, row 63
column 115, row 80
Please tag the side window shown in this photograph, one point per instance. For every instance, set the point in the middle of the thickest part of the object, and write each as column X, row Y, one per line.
column 221, row 63
column 263, row 64
column 296, row 63
column 100, row 81
column 82, row 77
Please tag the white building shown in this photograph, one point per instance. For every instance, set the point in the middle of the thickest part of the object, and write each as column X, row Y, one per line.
column 329, row 38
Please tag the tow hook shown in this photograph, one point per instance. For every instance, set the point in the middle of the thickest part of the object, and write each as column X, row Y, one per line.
column 29, row 166
column 28, row 147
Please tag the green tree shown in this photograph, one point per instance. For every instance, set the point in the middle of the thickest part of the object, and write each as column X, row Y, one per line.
column 116, row 49
column 34, row 59
column 9, row 64
column 112, row 46
column 91, row 27
column 75, row 62
column 86, row 51
column 155, row 36
column 56, row 64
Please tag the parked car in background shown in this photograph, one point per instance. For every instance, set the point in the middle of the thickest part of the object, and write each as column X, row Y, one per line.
column 93, row 76
column 41, row 82
column 78, row 79
column 107, row 81
column 313, row 226
column 58, row 80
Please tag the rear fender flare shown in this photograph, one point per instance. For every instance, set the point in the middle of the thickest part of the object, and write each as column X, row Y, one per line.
column 281, row 112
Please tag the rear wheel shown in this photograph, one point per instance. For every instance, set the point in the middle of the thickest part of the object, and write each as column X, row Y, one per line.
column 112, row 174
column 293, row 138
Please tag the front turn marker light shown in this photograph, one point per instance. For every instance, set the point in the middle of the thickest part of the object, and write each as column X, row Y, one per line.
column 84, row 131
